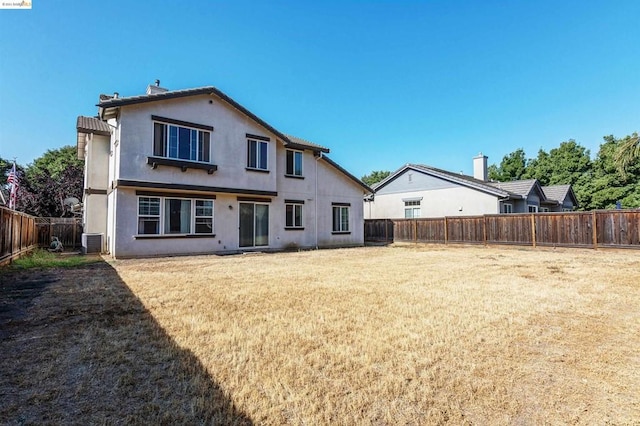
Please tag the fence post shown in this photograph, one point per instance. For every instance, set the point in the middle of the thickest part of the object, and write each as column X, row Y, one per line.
column 415, row 231
column 595, row 231
column 533, row 229
column 446, row 231
column 484, row 229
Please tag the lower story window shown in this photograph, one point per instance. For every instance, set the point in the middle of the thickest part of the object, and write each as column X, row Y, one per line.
column 293, row 215
column 340, row 218
column 544, row 209
column 148, row 215
column 411, row 209
column 533, row 209
column 177, row 215
column 507, row 208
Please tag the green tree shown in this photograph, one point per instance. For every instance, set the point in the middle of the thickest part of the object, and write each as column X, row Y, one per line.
column 375, row 177
column 512, row 167
column 609, row 184
column 566, row 164
column 628, row 152
column 49, row 180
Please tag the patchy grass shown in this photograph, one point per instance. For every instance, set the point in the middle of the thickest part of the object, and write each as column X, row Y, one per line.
column 385, row 335
column 43, row 259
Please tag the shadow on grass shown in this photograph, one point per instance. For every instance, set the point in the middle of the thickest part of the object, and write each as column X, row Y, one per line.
column 79, row 347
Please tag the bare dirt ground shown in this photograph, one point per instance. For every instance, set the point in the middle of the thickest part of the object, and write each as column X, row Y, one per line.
column 380, row 335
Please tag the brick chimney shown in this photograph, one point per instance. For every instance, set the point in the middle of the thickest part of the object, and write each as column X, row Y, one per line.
column 480, row 167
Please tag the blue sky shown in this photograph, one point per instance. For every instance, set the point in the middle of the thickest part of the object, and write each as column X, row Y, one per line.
column 380, row 83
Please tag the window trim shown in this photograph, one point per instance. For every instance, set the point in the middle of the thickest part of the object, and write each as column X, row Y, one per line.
column 257, row 141
column 544, row 210
column 294, row 153
column 203, row 135
column 162, row 197
column 504, row 207
column 532, row 206
column 339, row 230
column 295, row 204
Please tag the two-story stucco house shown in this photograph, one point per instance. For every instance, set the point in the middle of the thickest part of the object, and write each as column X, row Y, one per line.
column 416, row 190
column 192, row 171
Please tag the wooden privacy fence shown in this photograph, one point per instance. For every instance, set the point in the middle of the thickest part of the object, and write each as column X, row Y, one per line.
column 67, row 229
column 601, row 228
column 18, row 234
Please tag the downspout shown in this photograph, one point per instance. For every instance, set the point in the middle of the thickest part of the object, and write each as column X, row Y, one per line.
column 316, row 202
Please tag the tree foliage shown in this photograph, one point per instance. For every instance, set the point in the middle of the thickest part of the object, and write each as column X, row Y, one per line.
column 628, row 153
column 512, row 167
column 48, row 181
column 375, row 177
column 598, row 184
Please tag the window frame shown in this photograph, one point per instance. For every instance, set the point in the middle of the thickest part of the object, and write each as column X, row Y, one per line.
column 510, row 208
column 292, row 224
column 157, row 217
column 341, row 208
column 162, row 216
column 294, row 154
column 258, row 154
column 532, row 208
column 412, row 207
column 544, row 210
column 199, row 148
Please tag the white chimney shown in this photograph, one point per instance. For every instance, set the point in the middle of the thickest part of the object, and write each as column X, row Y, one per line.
column 480, row 167
column 155, row 88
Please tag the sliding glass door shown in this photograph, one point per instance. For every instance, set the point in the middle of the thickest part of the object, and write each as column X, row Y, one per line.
column 254, row 225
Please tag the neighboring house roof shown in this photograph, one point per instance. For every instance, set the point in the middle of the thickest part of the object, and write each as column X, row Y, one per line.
column 458, row 178
column 560, row 193
column 92, row 125
column 521, row 187
column 107, row 102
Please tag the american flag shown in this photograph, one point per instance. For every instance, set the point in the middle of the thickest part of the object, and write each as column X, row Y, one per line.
column 13, row 180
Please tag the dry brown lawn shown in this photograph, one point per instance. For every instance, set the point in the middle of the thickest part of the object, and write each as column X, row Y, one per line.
column 378, row 335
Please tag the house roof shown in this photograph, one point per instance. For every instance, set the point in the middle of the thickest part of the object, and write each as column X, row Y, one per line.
column 92, row 125
column 107, row 102
column 458, row 178
column 521, row 187
column 559, row 193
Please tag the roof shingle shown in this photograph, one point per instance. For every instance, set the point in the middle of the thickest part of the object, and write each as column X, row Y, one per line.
column 92, row 125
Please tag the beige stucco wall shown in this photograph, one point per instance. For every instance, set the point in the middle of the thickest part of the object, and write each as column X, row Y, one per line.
column 132, row 143
column 456, row 201
column 228, row 144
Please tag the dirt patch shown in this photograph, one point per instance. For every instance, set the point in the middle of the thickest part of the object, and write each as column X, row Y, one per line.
column 80, row 348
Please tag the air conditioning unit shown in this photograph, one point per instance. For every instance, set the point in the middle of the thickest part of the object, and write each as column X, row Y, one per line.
column 92, row 243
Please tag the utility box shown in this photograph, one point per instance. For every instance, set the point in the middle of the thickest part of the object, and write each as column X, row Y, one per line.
column 92, row 243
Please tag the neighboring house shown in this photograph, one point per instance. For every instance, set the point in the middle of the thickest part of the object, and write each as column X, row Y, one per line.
column 563, row 196
column 192, row 171
column 417, row 190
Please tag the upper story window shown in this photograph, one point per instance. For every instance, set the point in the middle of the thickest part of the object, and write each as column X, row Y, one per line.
column 181, row 140
column 257, row 153
column 294, row 163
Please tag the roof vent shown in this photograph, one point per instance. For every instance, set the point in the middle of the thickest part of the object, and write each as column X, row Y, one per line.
column 154, row 89
column 115, row 95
